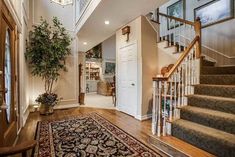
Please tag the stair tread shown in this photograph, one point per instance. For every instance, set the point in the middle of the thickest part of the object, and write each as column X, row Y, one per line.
column 225, row 79
column 208, row 131
column 162, row 41
column 212, row 97
column 230, row 66
column 216, row 85
column 210, row 70
column 168, row 47
column 219, row 75
column 178, row 52
column 224, row 66
column 214, row 113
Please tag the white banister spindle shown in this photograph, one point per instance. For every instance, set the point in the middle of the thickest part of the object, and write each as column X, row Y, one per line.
column 175, row 96
column 165, row 29
column 164, row 109
column 191, row 33
column 154, row 112
column 189, row 74
column 180, row 86
column 173, row 89
column 159, row 108
column 170, row 40
column 185, row 40
column 194, row 66
column 161, row 24
column 183, row 84
column 179, row 36
column 186, row 75
column 171, row 99
column 174, row 33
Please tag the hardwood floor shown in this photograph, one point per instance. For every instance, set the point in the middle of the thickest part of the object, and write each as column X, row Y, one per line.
column 138, row 129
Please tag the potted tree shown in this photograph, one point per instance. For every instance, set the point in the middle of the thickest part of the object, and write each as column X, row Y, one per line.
column 46, row 53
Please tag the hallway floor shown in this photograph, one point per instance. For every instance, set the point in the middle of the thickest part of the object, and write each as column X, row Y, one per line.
column 98, row 101
column 138, row 129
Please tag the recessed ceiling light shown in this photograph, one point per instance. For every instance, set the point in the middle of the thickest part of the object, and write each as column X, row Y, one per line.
column 106, row 22
column 84, row 43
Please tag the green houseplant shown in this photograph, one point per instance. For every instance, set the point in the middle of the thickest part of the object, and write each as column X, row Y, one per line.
column 46, row 53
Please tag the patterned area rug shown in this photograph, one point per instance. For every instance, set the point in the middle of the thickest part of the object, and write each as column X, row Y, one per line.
column 88, row 135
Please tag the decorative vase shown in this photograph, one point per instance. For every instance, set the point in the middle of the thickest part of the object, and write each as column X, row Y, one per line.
column 46, row 109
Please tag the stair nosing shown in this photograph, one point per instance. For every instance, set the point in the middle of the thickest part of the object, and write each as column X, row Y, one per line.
column 212, row 97
column 217, row 75
column 208, row 130
column 215, row 85
column 211, row 112
column 230, row 66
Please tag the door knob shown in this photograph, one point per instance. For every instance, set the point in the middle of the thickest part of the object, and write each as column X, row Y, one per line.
column 132, row 84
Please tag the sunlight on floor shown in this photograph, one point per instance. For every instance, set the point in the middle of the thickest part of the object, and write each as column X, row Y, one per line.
column 98, row 101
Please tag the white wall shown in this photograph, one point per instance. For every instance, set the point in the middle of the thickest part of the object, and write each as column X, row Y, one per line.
column 48, row 9
column 67, row 86
column 108, row 54
column 109, row 48
column 145, row 36
column 24, row 72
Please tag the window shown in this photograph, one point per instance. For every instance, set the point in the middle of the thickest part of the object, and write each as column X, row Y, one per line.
column 7, row 69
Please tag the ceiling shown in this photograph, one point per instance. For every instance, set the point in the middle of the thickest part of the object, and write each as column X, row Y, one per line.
column 118, row 12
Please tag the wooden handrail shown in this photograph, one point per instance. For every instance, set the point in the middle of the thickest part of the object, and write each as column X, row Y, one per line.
column 21, row 148
column 177, row 19
column 173, row 69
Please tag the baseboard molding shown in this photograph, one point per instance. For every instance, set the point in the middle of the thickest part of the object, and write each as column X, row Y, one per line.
column 25, row 116
column 90, row 106
column 144, row 117
column 58, row 107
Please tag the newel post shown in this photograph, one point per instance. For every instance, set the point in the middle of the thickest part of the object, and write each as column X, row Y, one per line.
column 198, row 31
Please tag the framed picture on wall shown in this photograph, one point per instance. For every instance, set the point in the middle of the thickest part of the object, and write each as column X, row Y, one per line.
column 214, row 12
column 109, row 67
column 95, row 52
column 177, row 10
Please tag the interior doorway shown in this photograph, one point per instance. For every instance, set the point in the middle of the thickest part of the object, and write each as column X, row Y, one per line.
column 99, row 68
column 99, row 87
column 8, row 99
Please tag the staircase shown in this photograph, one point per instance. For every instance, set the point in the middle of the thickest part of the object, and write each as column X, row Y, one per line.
column 195, row 100
column 208, row 120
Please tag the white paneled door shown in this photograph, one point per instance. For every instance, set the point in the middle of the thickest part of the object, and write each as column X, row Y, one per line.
column 127, row 79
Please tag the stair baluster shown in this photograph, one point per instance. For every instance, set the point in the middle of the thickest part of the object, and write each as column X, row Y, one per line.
column 159, row 107
column 174, row 77
column 154, row 112
column 171, row 100
column 181, row 79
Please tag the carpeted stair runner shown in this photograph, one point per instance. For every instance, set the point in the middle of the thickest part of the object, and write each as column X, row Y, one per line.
column 210, row 70
column 208, row 63
column 212, row 102
column 212, row 140
column 218, row 79
column 208, row 121
column 212, row 118
column 215, row 90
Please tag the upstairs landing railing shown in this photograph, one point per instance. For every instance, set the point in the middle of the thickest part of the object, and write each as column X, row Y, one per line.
column 169, row 91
